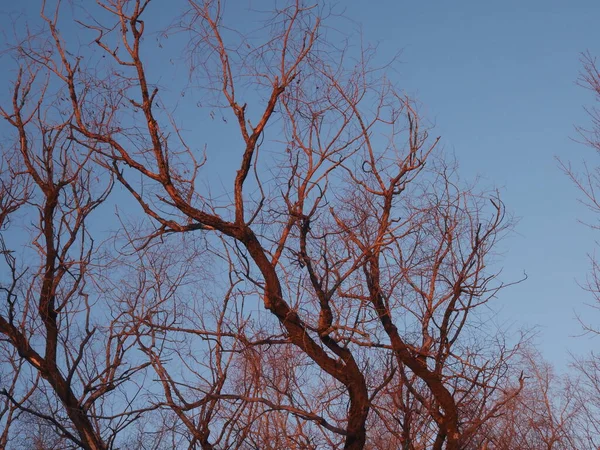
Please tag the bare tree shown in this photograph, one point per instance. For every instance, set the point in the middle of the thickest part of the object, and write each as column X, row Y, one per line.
column 544, row 416
column 586, row 389
column 371, row 258
column 588, row 180
column 587, row 369
column 68, row 360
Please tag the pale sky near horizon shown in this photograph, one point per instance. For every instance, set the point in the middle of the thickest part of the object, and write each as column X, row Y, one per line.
column 498, row 79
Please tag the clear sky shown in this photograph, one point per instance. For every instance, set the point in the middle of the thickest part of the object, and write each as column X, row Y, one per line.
column 498, row 79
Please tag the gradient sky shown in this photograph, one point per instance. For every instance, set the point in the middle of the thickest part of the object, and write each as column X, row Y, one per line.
column 498, row 79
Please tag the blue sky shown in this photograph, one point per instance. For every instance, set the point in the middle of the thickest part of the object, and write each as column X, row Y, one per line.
column 498, row 79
